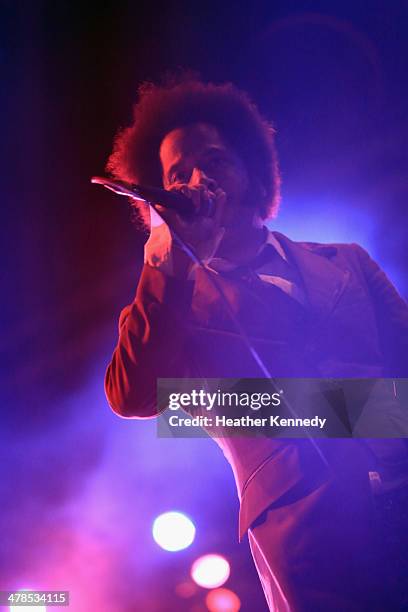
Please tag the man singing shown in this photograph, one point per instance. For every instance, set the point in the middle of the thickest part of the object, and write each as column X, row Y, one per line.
column 291, row 309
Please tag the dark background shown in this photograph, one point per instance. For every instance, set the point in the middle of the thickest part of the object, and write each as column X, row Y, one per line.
column 80, row 486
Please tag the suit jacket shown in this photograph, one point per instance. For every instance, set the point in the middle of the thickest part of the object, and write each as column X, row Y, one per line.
column 354, row 324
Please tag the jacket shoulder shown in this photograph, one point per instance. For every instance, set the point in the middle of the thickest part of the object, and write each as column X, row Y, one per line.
column 326, row 249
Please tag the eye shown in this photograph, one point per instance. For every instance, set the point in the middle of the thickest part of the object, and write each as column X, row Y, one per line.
column 216, row 163
column 179, row 177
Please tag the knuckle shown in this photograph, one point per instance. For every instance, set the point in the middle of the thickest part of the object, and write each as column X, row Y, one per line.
column 187, row 191
column 175, row 187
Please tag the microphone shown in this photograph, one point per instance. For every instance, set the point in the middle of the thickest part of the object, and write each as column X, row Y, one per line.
column 153, row 195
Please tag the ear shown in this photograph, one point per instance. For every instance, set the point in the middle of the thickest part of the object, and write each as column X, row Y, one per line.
column 262, row 190
column 256, row 192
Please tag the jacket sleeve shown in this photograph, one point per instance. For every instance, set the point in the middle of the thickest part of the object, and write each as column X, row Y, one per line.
column 391, row 312
column 151, row 345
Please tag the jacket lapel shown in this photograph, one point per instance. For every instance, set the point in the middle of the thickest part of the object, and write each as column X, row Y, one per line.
column 324, row 282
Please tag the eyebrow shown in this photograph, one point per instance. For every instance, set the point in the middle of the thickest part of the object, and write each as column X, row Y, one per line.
column 173, row 168
column 215, row 149
column 212, row 149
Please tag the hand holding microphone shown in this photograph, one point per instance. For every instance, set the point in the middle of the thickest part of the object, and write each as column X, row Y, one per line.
column 173, row 198
column 202, row 231
column 189, row 213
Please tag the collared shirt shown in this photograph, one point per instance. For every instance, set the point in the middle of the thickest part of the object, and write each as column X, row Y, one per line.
column 275, row 270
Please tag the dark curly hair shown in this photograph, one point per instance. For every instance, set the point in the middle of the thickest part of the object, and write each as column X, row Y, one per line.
column 162, row 108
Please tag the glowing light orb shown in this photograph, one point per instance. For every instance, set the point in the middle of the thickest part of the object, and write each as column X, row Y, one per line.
column 222, row 600
column 186, row 589
column 210, row 571
column 173, row 531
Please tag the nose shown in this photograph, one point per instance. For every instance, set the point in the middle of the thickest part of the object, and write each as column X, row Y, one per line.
column 199, row 177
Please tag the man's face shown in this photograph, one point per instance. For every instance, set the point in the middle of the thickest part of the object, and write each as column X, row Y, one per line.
column 195, row 155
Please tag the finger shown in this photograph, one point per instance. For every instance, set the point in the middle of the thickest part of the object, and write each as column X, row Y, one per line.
column 192, row 193
column 203, row 191
column 186, row 191
column 207, row 202
column 196, row 198
column 177, row 187
column 220, row 201
column 181, row 188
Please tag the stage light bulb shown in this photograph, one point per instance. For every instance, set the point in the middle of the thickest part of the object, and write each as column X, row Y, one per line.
column 222, row 600
column 173, row 531
column 210, row 571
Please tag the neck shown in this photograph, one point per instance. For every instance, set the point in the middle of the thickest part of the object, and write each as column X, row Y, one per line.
column 241, row 244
